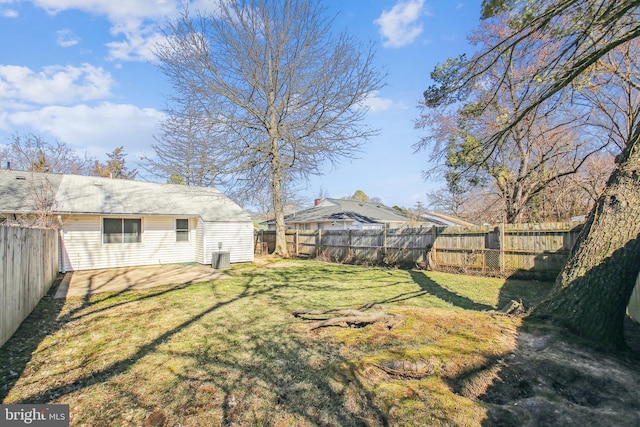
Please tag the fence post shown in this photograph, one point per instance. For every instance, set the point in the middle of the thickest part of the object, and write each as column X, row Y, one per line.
column 501, row 248
column 348, row 244
column 296, row 239
column 484, row 260
column 264, row 246
column 434, row 239
column 384, row 238
column 319, row 242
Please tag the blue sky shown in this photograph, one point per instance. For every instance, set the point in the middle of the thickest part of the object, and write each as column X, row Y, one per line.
column 82, row 72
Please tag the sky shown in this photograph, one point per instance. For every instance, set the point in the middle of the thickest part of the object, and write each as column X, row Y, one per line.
column 83, row 72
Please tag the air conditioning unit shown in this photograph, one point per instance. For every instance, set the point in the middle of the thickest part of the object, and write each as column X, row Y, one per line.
column 221, row 260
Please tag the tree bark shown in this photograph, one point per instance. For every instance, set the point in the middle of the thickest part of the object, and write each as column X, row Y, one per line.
column 278, row 207
column 592, row 292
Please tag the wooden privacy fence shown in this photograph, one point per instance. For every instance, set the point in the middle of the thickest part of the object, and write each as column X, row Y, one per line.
column 406, row 246
column 529, row 250
column 28, row 267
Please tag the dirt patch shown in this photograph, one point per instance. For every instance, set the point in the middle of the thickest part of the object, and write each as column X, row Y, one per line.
column 551, row 381
column 273, row 262
column 82, row 283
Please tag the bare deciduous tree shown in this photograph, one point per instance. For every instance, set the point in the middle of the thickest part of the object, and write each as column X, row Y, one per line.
column 536, row 153
column 282, row 92
column 185, row 149
column 593, row 290
column 32, row 153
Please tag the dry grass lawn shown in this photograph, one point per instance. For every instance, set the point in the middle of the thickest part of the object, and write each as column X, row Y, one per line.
column 229, row 352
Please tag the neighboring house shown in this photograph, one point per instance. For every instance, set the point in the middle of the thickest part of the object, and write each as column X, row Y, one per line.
column 430, row 219
column 339, row 214
column 108, row 223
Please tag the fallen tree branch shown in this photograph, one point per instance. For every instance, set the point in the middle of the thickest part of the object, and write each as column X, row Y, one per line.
column 348, row 318
column 513, row 308
column 322, row 314
column 407, row 369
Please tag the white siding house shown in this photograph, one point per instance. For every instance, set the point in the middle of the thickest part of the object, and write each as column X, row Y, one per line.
column 340, row 214
column 223, row 236
column 107, row 223
column 82, row 246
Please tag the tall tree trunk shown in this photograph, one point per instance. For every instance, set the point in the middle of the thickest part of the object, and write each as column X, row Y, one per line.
column 592, row 292
column 281, row 242
column 278, row 206
column 513, row 211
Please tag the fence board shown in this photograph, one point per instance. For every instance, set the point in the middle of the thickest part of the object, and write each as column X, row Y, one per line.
column 536, row 250
column 29, row 261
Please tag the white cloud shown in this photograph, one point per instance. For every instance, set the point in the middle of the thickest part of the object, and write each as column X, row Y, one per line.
column 3, row 120
column 54, row 84
column 95, row 129
column 399, row 26
column 135, row 21
column 377, row 104
column 66, row 38
column 116, row 11
column 139, row 44
column 9, row 13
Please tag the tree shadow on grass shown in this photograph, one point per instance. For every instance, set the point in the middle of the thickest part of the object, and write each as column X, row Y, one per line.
column 16, row 352
column 553, row 376
column 122, row 365
column 47, row 318
column 435, row 289
column 287, row 378
column 530, row 292
column 279, row 364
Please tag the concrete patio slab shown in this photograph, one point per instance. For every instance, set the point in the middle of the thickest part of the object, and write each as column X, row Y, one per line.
column 83, row 283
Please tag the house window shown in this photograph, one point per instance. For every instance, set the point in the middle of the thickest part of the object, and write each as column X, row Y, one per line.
column 121, row 230
column 182, row 230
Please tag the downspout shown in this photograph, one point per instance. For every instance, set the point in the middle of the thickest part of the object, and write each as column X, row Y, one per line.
column 61, row 257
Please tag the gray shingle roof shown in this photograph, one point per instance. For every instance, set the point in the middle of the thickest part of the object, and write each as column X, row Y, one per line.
column 27, row 192
column 75, row 194
column 348, row 210
column 442, row 220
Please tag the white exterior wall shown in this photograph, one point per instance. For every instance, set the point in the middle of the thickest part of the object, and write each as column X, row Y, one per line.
column 313, row 226
column 200, row 246
column 235, row 237
column 371, row 227
column 355, row 225
column 340, row 225
column 82, row 247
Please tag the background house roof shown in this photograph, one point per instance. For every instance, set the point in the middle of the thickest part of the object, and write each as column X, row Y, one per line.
column 442, row 220
column 76, row 194
column 347, row 210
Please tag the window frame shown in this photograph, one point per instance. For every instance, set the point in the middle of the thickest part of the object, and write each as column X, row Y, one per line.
column 180, row 231
column 127, row 228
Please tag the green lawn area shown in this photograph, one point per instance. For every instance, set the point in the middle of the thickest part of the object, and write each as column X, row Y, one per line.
column 229, row 352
